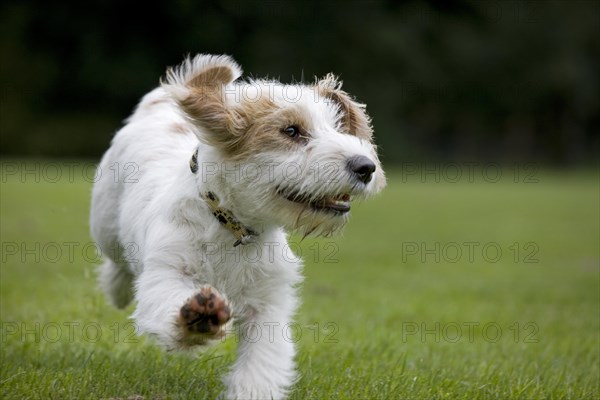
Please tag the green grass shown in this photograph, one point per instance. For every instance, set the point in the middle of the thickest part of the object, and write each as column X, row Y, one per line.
column 377, row 321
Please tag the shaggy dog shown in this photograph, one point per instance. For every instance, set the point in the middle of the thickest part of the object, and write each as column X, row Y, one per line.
column 196, row 194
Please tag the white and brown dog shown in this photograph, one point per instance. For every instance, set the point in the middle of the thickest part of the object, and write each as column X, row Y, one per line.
column 212, row 165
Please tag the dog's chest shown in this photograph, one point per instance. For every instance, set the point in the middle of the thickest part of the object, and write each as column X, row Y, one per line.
column 249, row 275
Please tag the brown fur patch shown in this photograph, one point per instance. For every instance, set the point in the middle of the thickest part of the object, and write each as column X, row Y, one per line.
column 211, row 76
column 244, row 128
column 265, row 131
column 355, row 120
column 206, row 105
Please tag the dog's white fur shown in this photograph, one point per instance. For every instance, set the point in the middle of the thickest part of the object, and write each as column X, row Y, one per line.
column 163, row 244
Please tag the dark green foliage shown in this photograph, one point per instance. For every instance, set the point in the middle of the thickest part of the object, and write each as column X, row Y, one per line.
column 462, row 80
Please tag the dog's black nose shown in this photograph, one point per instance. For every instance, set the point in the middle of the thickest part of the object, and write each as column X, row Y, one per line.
column 362, row 167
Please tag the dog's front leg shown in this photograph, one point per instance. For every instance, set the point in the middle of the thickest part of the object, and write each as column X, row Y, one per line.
column 176, row 310
column 265, row 367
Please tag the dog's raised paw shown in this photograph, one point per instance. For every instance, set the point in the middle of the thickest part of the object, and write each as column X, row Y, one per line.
column 205, row 313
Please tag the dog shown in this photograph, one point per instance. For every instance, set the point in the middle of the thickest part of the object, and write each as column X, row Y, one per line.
column 208, row 166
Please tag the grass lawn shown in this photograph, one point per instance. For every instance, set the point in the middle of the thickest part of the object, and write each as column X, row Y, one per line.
column 466, row 290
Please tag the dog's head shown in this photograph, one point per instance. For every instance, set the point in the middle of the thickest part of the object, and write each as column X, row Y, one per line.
column 293, row 155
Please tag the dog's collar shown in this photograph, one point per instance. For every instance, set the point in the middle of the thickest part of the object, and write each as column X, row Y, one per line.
column 242, row 233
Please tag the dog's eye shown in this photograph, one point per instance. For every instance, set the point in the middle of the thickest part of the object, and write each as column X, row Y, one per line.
column 292, row 131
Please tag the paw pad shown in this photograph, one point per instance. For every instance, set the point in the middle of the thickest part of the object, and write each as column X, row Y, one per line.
column 206, row 312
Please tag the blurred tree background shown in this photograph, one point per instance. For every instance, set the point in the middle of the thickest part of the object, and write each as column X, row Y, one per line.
column 462, row 80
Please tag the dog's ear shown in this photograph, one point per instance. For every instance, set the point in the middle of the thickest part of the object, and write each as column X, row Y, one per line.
column 198, row 85
column 355, row 119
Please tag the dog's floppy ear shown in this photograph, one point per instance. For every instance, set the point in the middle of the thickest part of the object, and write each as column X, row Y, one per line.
column 198, row 85
column 355, row 119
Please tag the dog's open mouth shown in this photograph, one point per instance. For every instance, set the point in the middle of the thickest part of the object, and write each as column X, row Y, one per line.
column 339, row 204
